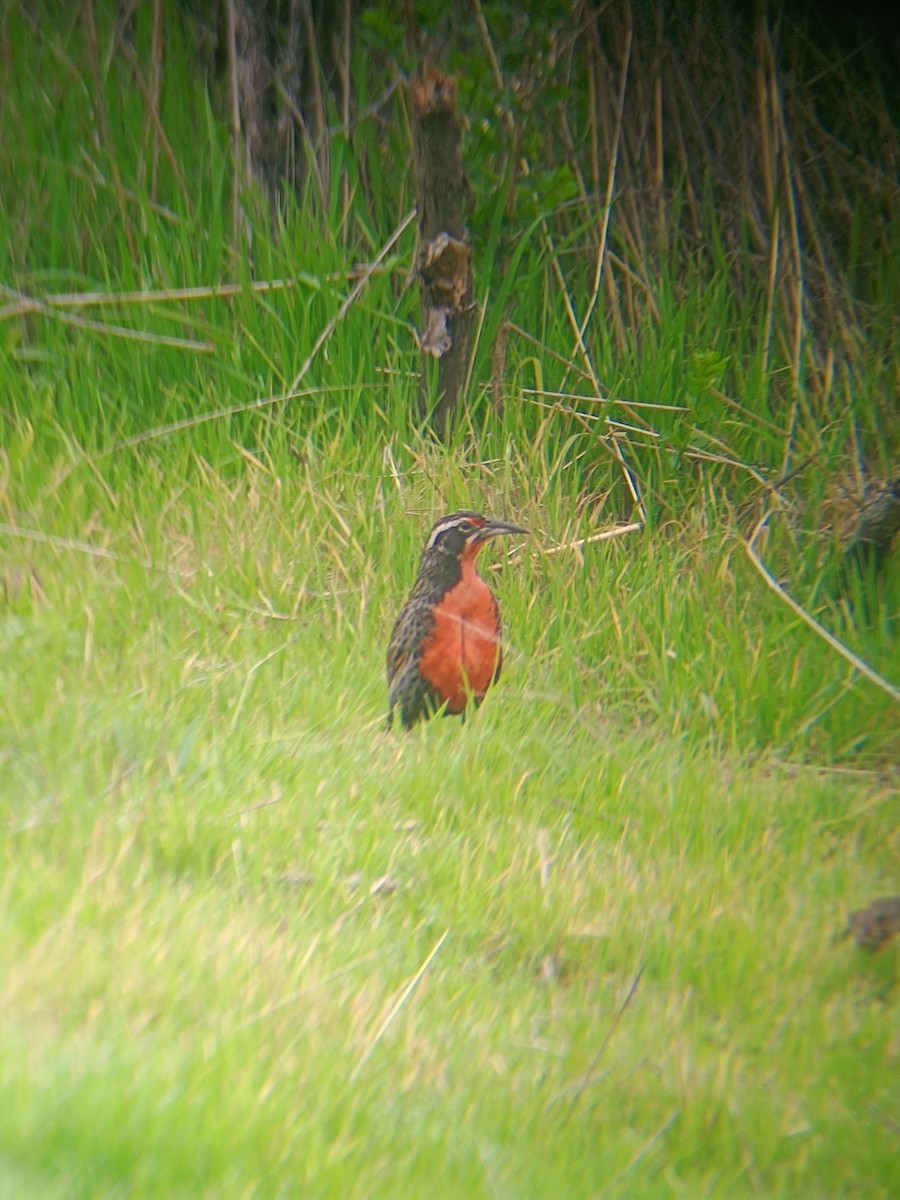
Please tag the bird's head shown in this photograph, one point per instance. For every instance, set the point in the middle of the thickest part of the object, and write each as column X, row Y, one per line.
column 461, row 535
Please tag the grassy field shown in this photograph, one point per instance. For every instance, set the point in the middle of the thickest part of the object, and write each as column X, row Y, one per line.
column 252, row 943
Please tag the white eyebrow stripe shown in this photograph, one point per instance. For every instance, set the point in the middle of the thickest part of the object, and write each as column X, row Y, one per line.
column 436, row 533
column 442, row 527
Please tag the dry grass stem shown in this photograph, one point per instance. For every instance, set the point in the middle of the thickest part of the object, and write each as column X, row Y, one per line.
column 607, row 200
column 26, row 304
column 352, row 296
column 64, row 543
column 589, row 1073
column 854, row 660
column 395, row 1008
column 603, row 536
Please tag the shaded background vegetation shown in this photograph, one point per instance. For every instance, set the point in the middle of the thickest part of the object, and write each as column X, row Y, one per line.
column 710, row 194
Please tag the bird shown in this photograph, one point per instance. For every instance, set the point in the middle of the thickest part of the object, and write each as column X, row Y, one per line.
column 445, row 645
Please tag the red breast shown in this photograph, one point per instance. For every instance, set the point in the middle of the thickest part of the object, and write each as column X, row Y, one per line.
column 460, row 657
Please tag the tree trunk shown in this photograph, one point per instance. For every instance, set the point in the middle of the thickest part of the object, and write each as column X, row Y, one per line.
column 283, row 58
column 445, row 258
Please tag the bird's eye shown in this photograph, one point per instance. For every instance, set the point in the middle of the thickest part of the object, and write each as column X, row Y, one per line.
column 459, row 526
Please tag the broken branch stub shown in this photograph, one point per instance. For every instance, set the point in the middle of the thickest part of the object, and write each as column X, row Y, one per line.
column 444, row 263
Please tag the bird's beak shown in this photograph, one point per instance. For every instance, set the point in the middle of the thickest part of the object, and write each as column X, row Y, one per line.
column 493, row 529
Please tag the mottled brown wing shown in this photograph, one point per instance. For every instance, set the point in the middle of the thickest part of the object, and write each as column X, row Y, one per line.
column 406, row 687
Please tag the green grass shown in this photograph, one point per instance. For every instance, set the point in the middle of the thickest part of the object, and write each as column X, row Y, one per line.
column 251, row 942
column 222, row 872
